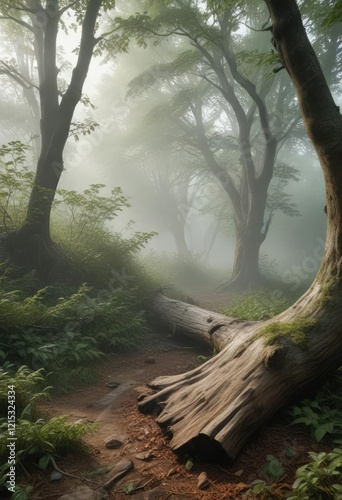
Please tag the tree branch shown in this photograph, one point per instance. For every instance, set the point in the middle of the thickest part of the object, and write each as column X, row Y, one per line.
column 288, row 130
column 15, row 75
column 18, row 21
column 67, row 7
column 220, row 173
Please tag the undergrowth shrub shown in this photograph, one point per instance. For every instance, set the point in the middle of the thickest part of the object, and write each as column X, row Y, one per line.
column 16, row 181
column 81, row 228
column 37, row 438
column 82, row 223
column 321, row 478
column 257, row 306
column 66, row 327
column 28, row 388
column 69, row 336
column 323, row 414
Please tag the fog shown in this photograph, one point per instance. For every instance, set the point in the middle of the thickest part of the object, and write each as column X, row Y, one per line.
column 144, row 142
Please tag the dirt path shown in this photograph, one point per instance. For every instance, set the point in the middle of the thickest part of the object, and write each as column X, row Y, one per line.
column 158, row 473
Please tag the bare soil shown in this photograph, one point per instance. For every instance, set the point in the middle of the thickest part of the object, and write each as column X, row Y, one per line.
column 160, row 474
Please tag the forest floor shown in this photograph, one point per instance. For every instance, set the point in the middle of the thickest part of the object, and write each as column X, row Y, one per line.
column 157, row 472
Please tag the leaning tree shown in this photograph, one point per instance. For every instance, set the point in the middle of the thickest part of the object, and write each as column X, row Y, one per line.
column 31, row 245
column 261, row 366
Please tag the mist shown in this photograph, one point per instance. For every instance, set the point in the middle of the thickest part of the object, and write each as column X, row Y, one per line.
column 139, row 142
column 170, row 215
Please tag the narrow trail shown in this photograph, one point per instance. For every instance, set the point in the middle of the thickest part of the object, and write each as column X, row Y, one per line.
column 126, row 435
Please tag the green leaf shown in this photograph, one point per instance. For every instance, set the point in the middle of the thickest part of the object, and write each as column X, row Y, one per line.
column 320, row 433
column 27, row 412
column 290, row 452
column 44, row 462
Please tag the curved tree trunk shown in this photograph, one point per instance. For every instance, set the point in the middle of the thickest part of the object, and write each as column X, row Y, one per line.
column 262, row 366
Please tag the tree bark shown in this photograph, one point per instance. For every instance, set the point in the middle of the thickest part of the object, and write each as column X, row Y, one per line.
column 262, row 366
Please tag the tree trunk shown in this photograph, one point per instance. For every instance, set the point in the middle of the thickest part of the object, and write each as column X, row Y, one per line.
column 249, row 238
column 31, row 245
column 262, row 366
column 177, row 230
column 246, row 274
column 211, row 236
column 249, row 199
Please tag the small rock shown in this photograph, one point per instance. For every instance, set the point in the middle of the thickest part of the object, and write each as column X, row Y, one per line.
column 203, row 481
column 150, row 360
column 113, row 443
column 113, row 384
column 144, row 456
column 55, row 475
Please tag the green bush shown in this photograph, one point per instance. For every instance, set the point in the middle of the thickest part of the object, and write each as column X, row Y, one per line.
column 65, row 327
column 81, row 223
column 36, row 439
column 81, row 228
column 257, row 306
column 28, row 388
column 319, row 418
column 15, row 180
column 69, row 337
column 39, row 438
column 320, row 479
column 322, row 415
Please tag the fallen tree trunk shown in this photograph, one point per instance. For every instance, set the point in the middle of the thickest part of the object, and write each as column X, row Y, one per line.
column 214, row 329
column 260, row 368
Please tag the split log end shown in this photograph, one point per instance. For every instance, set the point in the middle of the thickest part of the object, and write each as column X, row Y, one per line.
column 203, row 446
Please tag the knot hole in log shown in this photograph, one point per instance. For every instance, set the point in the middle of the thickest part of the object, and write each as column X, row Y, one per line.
column 274, row 358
